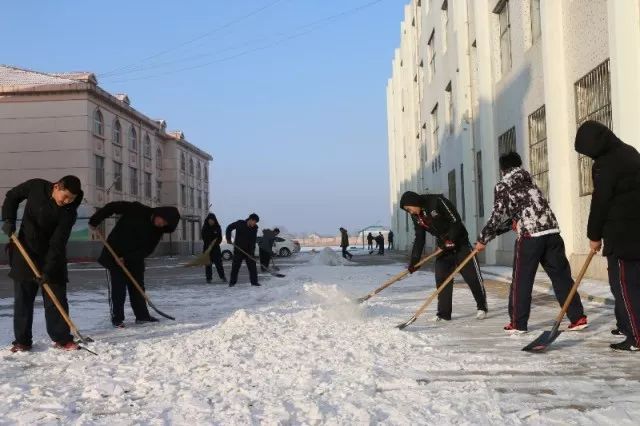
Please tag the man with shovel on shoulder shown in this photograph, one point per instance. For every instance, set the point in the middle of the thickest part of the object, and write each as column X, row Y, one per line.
column 135, row 236
column 49, row 215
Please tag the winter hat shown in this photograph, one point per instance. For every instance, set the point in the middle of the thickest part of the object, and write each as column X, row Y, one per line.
column 510, row 161
column 211, row 216
column 593, row 139
column 276, row 230
column 254, row 216
column 410, row 198
column 171, row 215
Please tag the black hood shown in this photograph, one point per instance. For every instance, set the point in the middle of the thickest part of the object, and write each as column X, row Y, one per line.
column 411, row 198
column 594, row 139
column 211, row 216
column 171, row 215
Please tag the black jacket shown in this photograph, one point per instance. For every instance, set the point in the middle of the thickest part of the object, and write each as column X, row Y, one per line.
column 211, row 233
column 615, row 203
column 390, row 236
column 245, row 236
column 135, row 236
column 44, row 231
column 369, row 238
column 268, row 239
column 439, row 218
column 344, row 238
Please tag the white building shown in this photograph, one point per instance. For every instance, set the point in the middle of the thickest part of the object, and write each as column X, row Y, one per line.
column 475, row 78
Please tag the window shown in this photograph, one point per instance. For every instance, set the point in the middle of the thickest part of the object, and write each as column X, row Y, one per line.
column 147, row 146
column 183, row 162
column 206, row 171
column 480, row 187
column 159, row 159
column 183, row 195
column 191, row 197
column 593, row 102
column 507, row 142
column 184, row 229
column 463, row 209
column 158, row 191
column 117, row 133
column 147, row 185
column 431, row 54
column 199, row 199
column 435, row 143
column 117, row 176
column 445, row 24
column 505, row 36
column 98, row 123
column 133, row 139
column 133, row 181
column 448, row 95
column 536, row 27
column 99, row 171
column 191, row 168
column 206, row 200
column 199, row 171
column 538, row 159
column 451, row 177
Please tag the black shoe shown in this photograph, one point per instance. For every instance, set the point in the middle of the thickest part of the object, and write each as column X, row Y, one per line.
column 208, row 280
column 617, row 332
column 118, row 324
column 146, row 320
column 627, row 345
column 232, row 284
column 224, row 280
column 257, row 285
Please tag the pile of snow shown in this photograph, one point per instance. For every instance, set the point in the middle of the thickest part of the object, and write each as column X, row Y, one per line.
column 328, row 257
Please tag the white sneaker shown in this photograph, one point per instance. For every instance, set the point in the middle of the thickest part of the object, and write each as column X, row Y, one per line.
column 436, row 319
column 480, row 315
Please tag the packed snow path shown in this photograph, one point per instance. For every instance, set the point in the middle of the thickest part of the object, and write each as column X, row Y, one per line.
column 298, row 351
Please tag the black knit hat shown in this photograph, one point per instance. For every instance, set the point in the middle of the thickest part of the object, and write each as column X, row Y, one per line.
column 410, row 198
column 510, row 161
column 255, row 217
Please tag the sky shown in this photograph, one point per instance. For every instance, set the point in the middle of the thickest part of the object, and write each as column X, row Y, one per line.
column 288, row 96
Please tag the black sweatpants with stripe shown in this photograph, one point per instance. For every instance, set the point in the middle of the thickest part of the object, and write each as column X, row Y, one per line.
column 548, row 251
column 445, row 264
column 624, row 278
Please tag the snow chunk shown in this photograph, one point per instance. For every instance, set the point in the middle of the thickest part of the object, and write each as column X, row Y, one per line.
column 328, row 257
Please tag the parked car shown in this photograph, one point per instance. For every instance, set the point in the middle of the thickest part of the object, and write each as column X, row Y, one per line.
column 282, row 248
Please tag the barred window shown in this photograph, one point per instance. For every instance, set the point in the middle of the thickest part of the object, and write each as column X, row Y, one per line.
column 158, row 191
column 133, row 139
column 593, row 102
column 98, row 123
column 117, row 132
column 191, row 197
column 452, row 187
column 99, row 171
column 505, row 36
column 538, row 158
column 507, row 142
column 159, row 159
column 536, row 28
column 147, row 185
column 117, row 176
column 183, row 195
column 448, row 95
column 147, row 146
column 133, row 181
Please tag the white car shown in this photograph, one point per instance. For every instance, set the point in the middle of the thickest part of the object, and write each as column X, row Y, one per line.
column 283, row 248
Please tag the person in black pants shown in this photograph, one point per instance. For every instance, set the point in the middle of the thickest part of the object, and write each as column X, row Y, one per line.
column 520, row 205
column 380, row 243
column 433, row 213
column 614, row 217
column 370, row 241
column 49, row 214
column 135, row 236
column 245, row 240
column 344, row 243
column 266, row 247
column 390, row 238
column 212, row 234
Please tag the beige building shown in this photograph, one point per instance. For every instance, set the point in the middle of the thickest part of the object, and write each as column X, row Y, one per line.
column 57, row 124
column 472, row 79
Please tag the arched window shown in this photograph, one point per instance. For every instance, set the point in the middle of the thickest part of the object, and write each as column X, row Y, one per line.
column 199, row 171
column 147, row 146
column 183, row 162
column 191, row 166
column 133, row 139
column 117, row 132
column 98, row 123
column 159, row 159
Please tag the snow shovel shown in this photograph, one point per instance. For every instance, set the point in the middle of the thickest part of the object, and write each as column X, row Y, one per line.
column 275, row 274
column 546, row 338
column 203, row 259
column 398, row 277
column 131, row 278
column 51, row 294
column 446, row 282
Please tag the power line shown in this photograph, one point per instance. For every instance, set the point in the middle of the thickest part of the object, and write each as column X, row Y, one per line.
column 200, row 37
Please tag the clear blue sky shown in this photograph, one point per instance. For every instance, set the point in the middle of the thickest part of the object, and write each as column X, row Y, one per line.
column 297, row 130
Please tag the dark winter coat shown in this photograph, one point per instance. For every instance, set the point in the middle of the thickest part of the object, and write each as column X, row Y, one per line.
column 344, row 238
column 44, row 231
column 615, row 203
column 519, row 204
column 369, row 238
column 210, row 233
column 245, row 236
column 268, row 239
column 379, row 240
column 390, row 236
column 135, row 236
column 438, row 217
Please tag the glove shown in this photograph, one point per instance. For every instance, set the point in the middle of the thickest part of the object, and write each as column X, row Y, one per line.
column 9, row 227
column 93, row 223
column 449, row 245
column 412, row 268
column 42, row 280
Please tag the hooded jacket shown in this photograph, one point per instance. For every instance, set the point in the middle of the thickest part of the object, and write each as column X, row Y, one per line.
column 44, row 231
column 438, row 217
column 267, row 241
column 615, row 203
column 210, row 233
column 135, row 236
column 245, row 236
column 344, row 238
column 520, row 204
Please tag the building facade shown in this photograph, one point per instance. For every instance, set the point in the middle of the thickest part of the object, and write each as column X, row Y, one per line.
column 473, row 79
column 57, row 124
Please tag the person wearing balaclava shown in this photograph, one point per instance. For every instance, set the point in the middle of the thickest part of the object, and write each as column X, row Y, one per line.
column 435, row 214
column 135, row 236
column 614, row 217
column 212, row 234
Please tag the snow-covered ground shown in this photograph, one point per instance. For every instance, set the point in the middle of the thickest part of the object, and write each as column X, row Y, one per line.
column 299, row 351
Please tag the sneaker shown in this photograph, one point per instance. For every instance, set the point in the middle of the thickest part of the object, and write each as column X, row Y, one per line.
column 118, row 325
column 19, row 347
column 581, row 324
column 481, row 314
column 627, row 345
column 69, row 346
column 511, row 330
column 617, row 332
column 146, row 320
column 438, row 318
